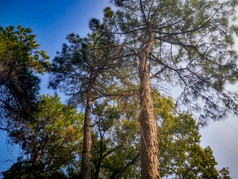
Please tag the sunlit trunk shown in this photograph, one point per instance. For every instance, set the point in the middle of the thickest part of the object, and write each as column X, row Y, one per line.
column 87, row 142
column 149, row 141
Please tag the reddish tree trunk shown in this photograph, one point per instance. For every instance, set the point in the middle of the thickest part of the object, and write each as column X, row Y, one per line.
column 149, row 140
column 87, row 142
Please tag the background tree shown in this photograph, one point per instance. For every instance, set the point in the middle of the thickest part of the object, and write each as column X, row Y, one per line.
column 20, row 60
column 50, row 142
column 116, row 143
column 187, row 43
column 180, row 152
column 85, row 72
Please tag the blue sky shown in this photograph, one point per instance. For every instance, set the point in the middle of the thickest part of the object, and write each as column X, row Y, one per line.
column 51, row 21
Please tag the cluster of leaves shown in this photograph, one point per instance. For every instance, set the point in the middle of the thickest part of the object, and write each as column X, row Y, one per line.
column 179, row 144
column 50, row 141
column 116, row 147
column 20, row 60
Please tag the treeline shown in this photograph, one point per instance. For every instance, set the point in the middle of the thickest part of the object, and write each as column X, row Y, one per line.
column 119, row 121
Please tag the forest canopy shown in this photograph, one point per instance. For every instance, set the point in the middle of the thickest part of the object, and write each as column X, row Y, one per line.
column 120, row 120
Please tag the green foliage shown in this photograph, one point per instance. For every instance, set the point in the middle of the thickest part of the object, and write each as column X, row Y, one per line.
column 20, row 60
column 108, row 13
column 191, row 46
column 23, row 170
column 83, row 67
column 85, row 71
column 224, row 173
column 116, row 147
column 115, row 143
column 55, row 135
column 50, row 142
column 19, row 46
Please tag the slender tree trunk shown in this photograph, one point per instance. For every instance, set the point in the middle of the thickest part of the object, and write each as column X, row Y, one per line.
column 149, row 140
column 97, row 172
column 98, row 166
column 87, row 141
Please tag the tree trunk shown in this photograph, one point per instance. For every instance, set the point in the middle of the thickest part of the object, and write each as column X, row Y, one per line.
column 149, row 141
column 98, row 166
column 87, row 141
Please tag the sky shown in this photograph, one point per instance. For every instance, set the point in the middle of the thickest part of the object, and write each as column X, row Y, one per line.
column 51, row 21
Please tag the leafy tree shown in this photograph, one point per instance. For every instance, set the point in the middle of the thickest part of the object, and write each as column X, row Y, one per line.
column 180, row 152
column 187, row 43
column 86, row 72
column 50, row 142
column 116, row 143
column 20, row 60
column 54, row 136
column 76, row 71
column 109, row 152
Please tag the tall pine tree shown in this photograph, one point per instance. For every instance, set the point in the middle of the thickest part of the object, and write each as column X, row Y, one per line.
column 186, row 43
column 85, row 71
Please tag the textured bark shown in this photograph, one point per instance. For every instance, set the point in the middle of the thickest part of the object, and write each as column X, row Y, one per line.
column 149, row 141
column 87, row 142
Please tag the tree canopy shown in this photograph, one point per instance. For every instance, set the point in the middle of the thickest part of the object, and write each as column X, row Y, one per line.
column 86, row 72
column 50, row 142
column 191, row 47
column 186, row 44
column 121, row 76
column 20, row 61
column 116, row 143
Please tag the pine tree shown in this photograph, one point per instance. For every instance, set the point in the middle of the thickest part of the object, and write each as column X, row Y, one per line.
column 85, row 70
column 116, row 142
column 186, row 43
column 20, row 61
